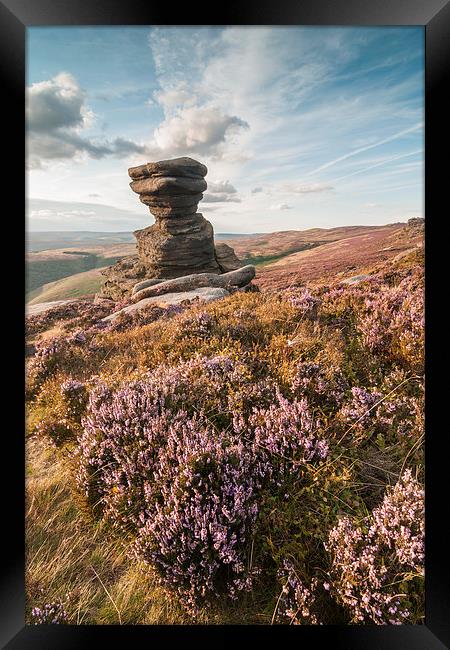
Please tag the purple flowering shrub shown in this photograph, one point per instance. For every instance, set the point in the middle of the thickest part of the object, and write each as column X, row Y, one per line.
column 75, row 396
column 324, row 387
column 297, row 602
column 153, row 464
column 373, row 563
column 204, row 506
column 391, row 418
column 59, row 411
column 303, row 301
column 49, row 613
column 284, row 436
column 122, row 433
column 149, row 314
column 386, row 316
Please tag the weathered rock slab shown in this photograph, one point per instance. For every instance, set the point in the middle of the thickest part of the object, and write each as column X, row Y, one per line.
column 238, row 278
column 204, row 294
column 31, row 310
column 175, row 167
column 169, row 185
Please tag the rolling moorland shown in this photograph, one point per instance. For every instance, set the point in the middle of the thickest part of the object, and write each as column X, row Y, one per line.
column 257, row 459
column 281, row 257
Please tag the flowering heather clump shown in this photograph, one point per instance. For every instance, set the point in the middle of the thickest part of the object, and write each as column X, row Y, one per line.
column 76, row 396
column 393, row 323
column 122, row 434
column 386, row 313
column 50, row 613
column 372, row 562
column 44, row 362
column 361, row 410
column 296, row 601
column 199, row 324
column 126, row 321
column 393, row 417
column 205, row 508
column 284, row 436
column 303, row 301
column 73, row 314
column 311, row 381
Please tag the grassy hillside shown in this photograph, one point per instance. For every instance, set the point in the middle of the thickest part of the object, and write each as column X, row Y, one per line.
column 254, row 460
column 291, row 241
column 78, row 285
column 50, row 265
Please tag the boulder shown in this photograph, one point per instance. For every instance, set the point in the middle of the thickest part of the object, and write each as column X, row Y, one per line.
column 226, row 258
column 238, row 278
column 203, row 294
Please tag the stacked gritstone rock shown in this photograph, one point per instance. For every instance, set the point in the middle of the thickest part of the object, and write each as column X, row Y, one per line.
column 181, row 241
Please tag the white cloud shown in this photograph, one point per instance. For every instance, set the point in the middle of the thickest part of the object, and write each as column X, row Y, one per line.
column 256, row 190
column 57, row 115
column 281, row 206
column 307, row 188
column 221, row 187
column 220, row 198
column 196, row 130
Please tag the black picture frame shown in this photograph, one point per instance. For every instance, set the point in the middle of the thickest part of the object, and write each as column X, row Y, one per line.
column 434, row 16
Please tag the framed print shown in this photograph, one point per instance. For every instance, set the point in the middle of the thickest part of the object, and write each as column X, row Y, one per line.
column 230, row 323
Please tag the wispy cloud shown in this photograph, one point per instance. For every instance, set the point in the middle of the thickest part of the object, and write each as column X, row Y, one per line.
column 355, row 152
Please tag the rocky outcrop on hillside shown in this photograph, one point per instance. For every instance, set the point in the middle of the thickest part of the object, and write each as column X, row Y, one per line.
column 181, row 241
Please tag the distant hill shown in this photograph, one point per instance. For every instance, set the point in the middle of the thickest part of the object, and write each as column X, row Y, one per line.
column 47, row 266
column 40, row 241
column 51, row 240
column 80, row 285
column 282, row 258
column 343, row 257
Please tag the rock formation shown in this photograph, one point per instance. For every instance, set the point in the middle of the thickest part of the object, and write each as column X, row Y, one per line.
column 181, row 241
column 238, row 278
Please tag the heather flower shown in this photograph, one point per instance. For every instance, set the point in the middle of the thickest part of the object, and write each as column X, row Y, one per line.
column 50, row 613
column 75, row 395
column 198, row 324
column 370, row 560
column 304, row 301
column 297, row 602
column 204, row 511
column 324, row 389
column 284, row 436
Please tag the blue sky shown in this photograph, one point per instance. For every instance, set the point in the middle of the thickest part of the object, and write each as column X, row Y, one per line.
column 300, row 127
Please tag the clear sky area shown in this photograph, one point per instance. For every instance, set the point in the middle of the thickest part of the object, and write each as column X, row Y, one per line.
column 300, row 127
